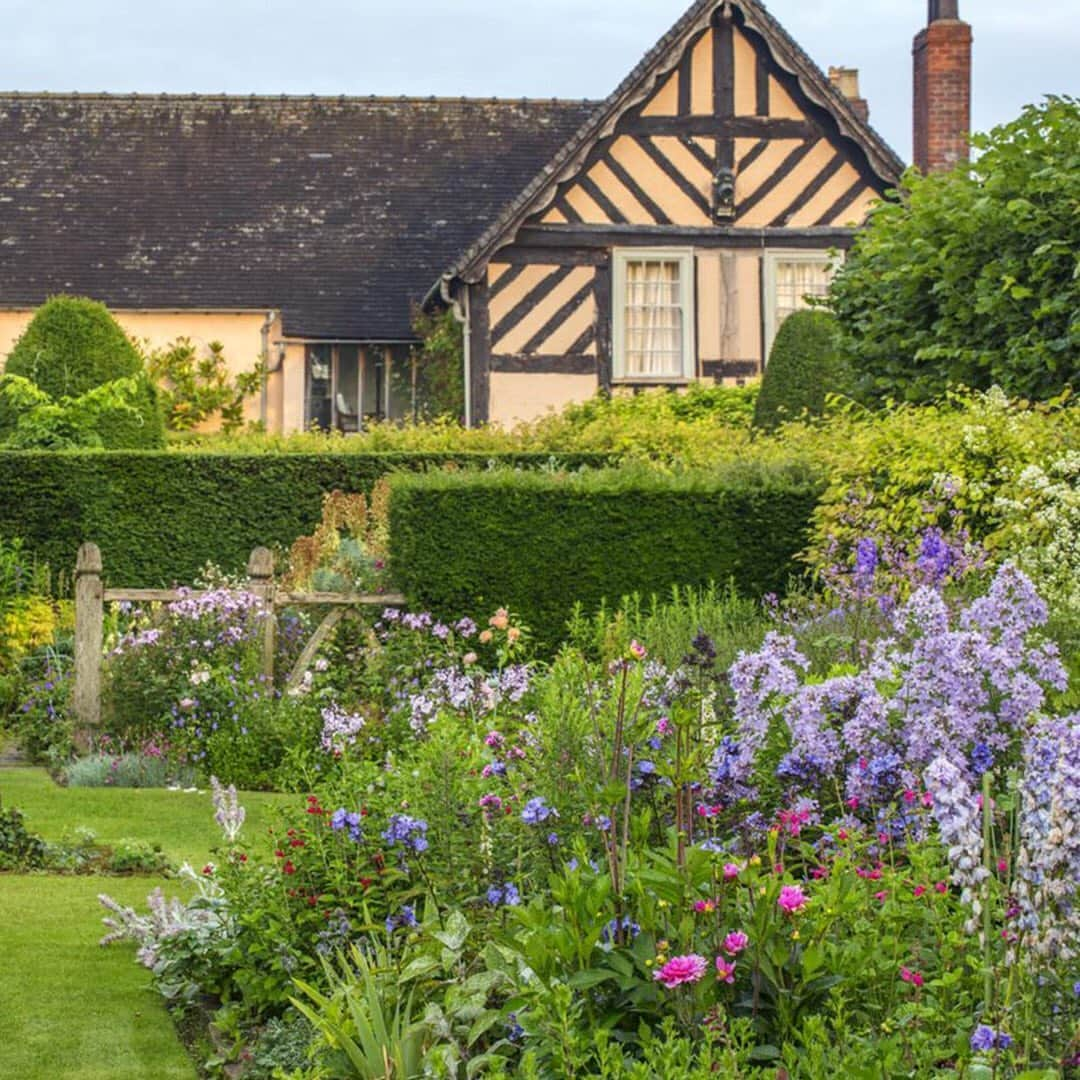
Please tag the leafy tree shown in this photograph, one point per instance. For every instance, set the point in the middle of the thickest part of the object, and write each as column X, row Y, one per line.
column 804, row 366
column 440, row 365
column 973, row 277
column 195, row 388
column 73, row 345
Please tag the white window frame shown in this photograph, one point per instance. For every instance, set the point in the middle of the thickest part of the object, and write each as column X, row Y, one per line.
column 688, row 282
column 773, row 257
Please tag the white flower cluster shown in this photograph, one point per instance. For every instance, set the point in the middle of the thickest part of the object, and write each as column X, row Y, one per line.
column 1042, row 516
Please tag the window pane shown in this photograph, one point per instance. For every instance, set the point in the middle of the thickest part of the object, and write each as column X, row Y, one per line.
column 318, row 384
column 653, row 318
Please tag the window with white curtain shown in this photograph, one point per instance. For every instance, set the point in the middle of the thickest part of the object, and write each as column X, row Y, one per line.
column 791, row 278
column 653, row 333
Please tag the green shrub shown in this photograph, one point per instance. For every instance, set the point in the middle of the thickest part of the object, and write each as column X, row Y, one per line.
column 159, row 517
column 129, row 770
column 20, row 849
column 804, row 367
column 124, row 414
column 74, row 380
column 73, row 345
column 670, row 623
column 539, row 543
column 700, row 426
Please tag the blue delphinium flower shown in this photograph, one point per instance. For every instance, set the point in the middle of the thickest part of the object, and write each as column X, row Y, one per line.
column 866, row 558
column 407, row 832
column 982, row 759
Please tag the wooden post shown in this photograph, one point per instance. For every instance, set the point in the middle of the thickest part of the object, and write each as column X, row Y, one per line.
column 261, row 583
column 89, row 624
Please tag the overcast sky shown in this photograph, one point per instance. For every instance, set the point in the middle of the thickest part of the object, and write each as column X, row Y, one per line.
column 557, row 48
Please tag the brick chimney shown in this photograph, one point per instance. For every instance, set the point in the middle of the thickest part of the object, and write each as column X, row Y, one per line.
column 942, row 88
column 846, row 80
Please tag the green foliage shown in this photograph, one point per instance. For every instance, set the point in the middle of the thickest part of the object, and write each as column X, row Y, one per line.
column 20, row 849
column 670, row 622
column 367, row 1020
column 804, row 367
column 74, row 380
column 18, row 395
column 699, row 426
column 540, row 543
column 440, row 360
column 971, row 278
column 72, row 345
column 196, row 388
column 160, row 517
column 894, row 473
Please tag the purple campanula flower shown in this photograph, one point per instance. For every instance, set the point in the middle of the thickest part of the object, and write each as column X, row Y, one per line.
column 537, row 811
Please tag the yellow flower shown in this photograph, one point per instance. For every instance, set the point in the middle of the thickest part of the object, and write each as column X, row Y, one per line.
column 755, row 860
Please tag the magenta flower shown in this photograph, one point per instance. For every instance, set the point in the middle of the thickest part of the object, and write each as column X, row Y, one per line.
column 725, row 971
column 735, row 943
column 638, row 651
column 792, row 899
column 681, row 969
column 731, row 871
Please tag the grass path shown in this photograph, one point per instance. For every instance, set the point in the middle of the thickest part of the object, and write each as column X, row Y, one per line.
column 69, row 1008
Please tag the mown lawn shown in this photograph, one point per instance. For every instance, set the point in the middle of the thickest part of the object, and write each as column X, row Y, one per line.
column 70, row 1008
column 181, row 822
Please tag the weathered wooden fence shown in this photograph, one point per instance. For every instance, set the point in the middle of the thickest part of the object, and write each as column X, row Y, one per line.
column 91, row 596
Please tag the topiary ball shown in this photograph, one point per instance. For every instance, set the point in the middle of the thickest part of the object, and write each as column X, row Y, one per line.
column 73, row 345
column 804, row 367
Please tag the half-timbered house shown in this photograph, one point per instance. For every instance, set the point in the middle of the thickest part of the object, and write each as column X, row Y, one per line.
column 657, row 238
column 700, row 204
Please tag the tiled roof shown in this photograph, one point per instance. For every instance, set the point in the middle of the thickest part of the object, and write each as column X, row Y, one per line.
column 339, row 211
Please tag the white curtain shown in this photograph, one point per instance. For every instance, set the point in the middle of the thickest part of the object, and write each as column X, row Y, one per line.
column 797, row 280
column 654, row 318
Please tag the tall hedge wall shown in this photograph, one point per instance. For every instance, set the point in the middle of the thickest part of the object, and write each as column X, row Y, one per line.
column 538, row 542
column 160, row 516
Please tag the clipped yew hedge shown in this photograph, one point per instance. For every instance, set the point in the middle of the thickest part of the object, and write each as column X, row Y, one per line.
column 541, row 542
column 159, row 517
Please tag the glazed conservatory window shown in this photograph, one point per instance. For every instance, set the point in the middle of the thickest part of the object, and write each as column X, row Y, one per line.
column 791, row 278
column 653, row 334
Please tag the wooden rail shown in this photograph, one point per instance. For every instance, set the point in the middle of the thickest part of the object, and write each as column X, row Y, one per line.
column 91, row 597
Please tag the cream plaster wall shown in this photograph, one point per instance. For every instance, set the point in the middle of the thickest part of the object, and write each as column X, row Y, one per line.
column 292, row 387
column 515, row 397
column 729, row 305
column 238, row 332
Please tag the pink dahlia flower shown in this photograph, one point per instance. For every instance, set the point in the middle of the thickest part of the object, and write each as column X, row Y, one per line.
column 792, row 899
column 681, row 969
column 735, row 943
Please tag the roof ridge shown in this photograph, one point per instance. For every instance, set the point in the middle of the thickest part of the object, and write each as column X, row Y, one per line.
column 193, row 97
